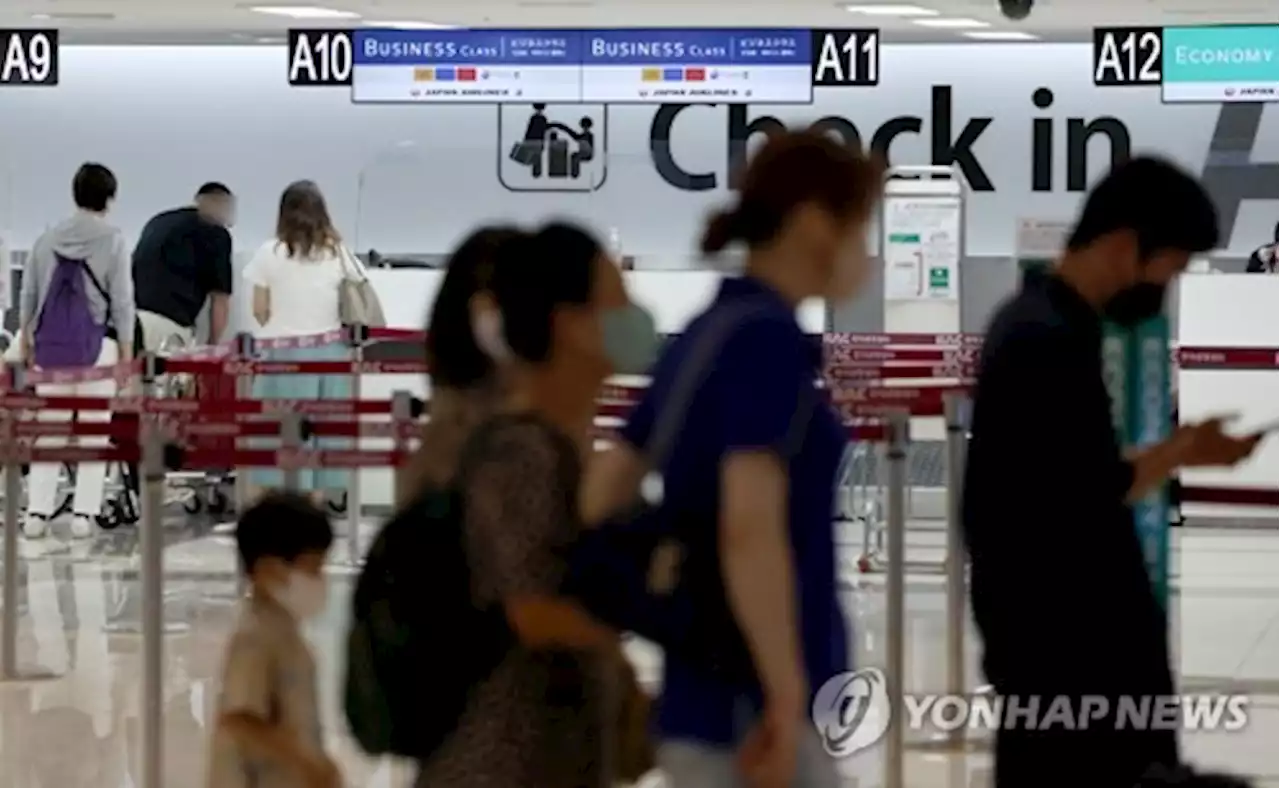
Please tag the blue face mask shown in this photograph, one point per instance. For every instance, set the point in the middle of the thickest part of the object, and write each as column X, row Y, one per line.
column 630, row 339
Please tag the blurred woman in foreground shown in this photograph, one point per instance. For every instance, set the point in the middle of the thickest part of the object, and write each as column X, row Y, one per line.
column 754, row 467
column 556, row 320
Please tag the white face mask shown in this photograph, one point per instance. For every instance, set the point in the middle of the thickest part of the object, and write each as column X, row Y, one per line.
column 304, row 595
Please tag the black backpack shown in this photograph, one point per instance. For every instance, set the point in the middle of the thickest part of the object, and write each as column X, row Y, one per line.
column 418, row 645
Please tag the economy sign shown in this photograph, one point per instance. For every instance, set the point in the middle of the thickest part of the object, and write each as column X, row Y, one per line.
column 1230, row 63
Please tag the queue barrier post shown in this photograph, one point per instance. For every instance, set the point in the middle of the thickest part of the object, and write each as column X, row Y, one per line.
column 10, row 670
column 899, row 424
column 244, row 349
column 12, row 492
column 956, row 407
column 151, row 536
column 401, row 414
column 291, row 440
column 358, row 336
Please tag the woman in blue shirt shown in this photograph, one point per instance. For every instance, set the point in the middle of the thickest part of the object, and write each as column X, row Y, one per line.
column 758, row 454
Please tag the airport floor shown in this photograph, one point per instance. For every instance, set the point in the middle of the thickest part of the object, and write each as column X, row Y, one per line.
column 79, row 612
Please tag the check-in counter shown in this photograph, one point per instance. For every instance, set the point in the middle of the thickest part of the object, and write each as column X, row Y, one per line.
column 1231, row 311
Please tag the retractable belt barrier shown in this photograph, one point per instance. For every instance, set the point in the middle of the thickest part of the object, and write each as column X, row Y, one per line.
column 877, row 382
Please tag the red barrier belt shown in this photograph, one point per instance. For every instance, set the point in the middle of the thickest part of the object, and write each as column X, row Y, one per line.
column 845, row 372
column 241, row 368
column 1235, row 496
column 1226, row 358
column 838, row 341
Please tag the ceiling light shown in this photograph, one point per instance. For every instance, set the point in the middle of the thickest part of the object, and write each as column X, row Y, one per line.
column 268, row 40
column 41, row 17
column 411, row 25
column 951, row 23
column 304, row 12
column 881, row 9
column 999, row 35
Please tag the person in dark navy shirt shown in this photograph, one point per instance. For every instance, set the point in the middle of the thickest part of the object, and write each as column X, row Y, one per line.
column 1045, row 473
column 182, row 260
column 758, row 454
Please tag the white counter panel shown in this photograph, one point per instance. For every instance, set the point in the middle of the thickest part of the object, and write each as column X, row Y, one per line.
column 1231, row 310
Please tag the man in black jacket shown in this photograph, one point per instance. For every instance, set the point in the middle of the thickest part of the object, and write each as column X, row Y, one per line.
column 1045, row 473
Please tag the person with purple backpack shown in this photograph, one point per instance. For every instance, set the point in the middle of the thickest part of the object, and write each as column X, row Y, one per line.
column 77, row 311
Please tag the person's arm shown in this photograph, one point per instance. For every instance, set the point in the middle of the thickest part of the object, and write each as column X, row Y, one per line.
column 120, row 285
column 261, row 304
column 758, row 390
column 29, row 300
column 221, row 285
column 517, row 515
column 257, row 274
column 246, row 711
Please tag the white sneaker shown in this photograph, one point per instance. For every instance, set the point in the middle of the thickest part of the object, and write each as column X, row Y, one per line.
column 82, row 526
column 35, row 526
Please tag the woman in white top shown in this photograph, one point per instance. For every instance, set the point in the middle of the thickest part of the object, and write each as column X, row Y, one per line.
column 295, row 279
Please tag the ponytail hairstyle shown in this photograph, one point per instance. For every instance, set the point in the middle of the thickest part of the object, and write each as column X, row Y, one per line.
column 452, row 355
column 794, row 169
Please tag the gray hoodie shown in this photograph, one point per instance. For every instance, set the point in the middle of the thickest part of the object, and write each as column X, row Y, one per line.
column 84, row 236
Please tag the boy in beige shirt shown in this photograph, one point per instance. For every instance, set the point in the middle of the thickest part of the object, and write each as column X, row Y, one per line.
column 268, row 729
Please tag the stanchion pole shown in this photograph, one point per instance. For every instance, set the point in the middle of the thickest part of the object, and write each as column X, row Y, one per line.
column 895, row 591
column 955, row 410
column 359, row 335
column 152, row 548
column 244, row 351
column 12, row 492
column 401, row 414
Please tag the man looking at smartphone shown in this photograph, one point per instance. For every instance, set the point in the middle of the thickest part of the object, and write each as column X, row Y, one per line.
column 1045, row 472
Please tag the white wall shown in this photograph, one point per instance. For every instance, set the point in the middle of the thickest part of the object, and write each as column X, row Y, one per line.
column 168, row 118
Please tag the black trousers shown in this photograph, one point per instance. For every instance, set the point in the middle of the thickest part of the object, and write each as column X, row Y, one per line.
column 1098, row 755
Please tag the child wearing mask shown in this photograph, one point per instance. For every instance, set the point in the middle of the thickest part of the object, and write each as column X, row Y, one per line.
column 268, row 729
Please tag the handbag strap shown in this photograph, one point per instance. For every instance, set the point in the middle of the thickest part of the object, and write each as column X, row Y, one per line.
column 346, row 258
column 693, row 372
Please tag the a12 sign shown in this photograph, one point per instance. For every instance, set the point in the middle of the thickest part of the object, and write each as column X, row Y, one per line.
column 1127, row 56
column 845, row 58
column 29, row 58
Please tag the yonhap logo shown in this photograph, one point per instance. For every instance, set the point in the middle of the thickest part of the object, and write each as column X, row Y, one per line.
column 851, row 711
column 553, row 148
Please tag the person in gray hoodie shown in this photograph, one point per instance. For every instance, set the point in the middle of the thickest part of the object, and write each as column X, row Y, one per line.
column 108, row 290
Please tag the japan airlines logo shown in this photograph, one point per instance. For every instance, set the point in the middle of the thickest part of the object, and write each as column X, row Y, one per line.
column 851, row 711
column 557, row 148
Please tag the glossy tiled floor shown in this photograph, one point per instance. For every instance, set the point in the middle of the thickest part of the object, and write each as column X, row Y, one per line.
column 79, row 607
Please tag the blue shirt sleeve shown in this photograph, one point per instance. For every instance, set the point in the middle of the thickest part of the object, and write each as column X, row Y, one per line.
column 761, row 377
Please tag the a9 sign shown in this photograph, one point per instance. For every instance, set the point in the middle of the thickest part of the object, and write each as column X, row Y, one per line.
column 28, row 58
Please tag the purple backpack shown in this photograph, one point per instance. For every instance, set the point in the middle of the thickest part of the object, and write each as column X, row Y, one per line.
column 66, row 333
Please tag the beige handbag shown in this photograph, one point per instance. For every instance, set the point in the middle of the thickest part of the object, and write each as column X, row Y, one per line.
column 358, row 303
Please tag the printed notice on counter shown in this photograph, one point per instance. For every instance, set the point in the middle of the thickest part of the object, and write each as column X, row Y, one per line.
column 921, row 248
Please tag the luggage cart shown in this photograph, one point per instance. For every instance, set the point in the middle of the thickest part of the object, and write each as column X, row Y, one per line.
column 198, row 491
